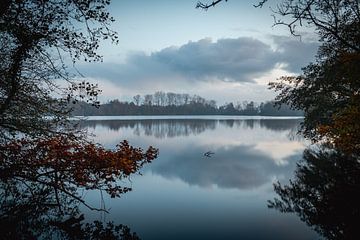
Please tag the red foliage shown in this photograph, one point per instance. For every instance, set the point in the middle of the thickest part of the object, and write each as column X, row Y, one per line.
column 344, row 131
column 65, row 163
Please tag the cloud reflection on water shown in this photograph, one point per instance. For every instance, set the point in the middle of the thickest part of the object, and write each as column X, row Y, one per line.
column 241, row 167
column 257, row 152
column 222, row 196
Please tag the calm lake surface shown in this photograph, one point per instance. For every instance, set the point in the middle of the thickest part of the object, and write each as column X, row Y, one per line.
column 186, row 195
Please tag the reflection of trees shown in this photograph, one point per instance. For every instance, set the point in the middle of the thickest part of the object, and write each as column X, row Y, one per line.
column 161, row 128
column 325, row 193
column 170, row 128
column 280, row 125
column 35, row 211
column 270, row 124
column 40, row 180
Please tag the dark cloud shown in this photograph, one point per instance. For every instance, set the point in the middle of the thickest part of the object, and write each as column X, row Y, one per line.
column 295, row 53
column 241, row 60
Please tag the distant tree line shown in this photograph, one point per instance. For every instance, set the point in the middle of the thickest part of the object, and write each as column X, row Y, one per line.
column 161, row 103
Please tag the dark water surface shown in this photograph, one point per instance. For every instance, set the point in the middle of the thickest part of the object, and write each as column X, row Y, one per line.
column 186, row 195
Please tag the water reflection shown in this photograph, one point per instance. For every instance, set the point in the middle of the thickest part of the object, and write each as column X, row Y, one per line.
column 32, row 210
column 169, row 128
column 41, row 182
column 186, row 195
column 325, row 193
column 241, row 167
column 181, row 195
column 249, row 158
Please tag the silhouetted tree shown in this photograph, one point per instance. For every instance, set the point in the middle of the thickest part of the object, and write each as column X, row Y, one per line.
column 137, row 99
column 269, row 109
column 334, row 21
column 328, row 90
column 148, row 99
column 185, row 105
column 38, row 144
column 35, row 37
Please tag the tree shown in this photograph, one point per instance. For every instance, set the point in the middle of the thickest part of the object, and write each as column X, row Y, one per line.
column 212, row 103
column 328, row 89
column 148, row 99
column 344, row 130
column 137, row 99
column 37, row 39
column 334, row 21
column 170, row 98
column 157, row 98
column 331, row 84
column 72, row 162
column 326, row 185
column 41, row 179
column 39, row 146
column 268, row 109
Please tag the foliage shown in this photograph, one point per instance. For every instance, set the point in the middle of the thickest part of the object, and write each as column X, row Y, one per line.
column 344, row 131
column 331, row 84
column 41, row 179
column 37, row 40
column 44, row 159
column 65, row 163
column 328, row 90
column 325, row 193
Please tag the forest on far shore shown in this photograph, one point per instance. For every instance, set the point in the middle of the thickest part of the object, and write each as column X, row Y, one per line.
column 161, row 103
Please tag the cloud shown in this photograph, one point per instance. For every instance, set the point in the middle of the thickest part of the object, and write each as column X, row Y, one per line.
column 239, row 60
column 227, row 59
column 294, row 53
column 205, row 65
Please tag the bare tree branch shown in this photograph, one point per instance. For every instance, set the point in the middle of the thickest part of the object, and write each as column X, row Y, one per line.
column 207, row 6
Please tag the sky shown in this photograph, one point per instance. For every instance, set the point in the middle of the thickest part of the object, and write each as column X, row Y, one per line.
column 228, row 53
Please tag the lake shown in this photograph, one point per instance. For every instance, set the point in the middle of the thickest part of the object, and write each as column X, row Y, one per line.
column 184, row 194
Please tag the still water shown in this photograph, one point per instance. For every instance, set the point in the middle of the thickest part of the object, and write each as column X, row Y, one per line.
column 184, row 194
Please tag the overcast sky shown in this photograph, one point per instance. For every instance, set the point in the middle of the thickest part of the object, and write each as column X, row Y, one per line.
column 228, row 53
